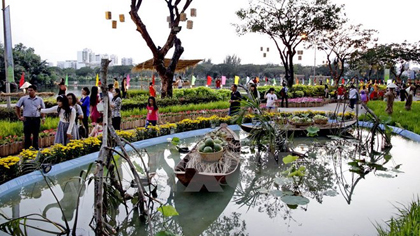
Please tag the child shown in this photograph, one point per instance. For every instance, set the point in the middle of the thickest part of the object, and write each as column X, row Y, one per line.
column 153, row 116
column 97, row 130
column 271, row 99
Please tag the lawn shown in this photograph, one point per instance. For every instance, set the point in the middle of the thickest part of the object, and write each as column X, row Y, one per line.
column 400, row 117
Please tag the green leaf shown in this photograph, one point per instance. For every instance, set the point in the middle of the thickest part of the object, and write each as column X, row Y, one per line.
column 295, row 200
column 276, row 193
column 387, row 157
column 289, row 158
column 138, row 168
column 175, row 141
column 279, row 181
column 168, row 211
column 165, row 233
column 312, row 130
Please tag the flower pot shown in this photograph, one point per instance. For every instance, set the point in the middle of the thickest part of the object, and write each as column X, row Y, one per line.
column 4, row 150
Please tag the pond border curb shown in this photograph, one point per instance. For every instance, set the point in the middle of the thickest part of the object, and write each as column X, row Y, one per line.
column 402, row 132
column 36, row 176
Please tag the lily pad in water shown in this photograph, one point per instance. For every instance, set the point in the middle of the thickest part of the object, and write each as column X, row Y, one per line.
column 295, row 200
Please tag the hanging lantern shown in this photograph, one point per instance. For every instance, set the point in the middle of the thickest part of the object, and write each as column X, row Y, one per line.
column 183, row 16
column 170, row 25
column 122, row 18
column 261, row 48
column 114, row 24
column 268, row 49
column 189, row 24
column 168, row 19
column 108, row 15
column 299, row 58
column 193, row 12
column 264, row 54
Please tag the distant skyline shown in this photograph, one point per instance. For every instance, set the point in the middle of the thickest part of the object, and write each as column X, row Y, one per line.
column 57, row 29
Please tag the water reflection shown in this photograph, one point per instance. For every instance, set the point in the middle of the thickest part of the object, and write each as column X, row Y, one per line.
column 333, row 167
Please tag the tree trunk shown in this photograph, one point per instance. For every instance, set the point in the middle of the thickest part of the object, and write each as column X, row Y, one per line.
column 291, row 70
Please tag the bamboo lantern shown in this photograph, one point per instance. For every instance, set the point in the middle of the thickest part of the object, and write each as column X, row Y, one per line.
column 261, row 48
column 108, row 15
column 193, row 12
column 264, row 54
column 114, row 24
column 299, row 58
column 268, row 49
column 122, row 18
column 183, row 16
column 168, row 19
column 189, row 24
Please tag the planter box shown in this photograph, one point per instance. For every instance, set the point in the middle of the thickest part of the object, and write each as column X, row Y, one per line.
column 4, row 150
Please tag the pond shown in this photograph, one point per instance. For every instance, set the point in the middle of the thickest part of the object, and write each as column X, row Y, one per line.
column 341, row 200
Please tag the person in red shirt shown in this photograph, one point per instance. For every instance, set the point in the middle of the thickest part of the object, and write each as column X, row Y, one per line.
column 152, row 90
column 218, row 83
column 340, row 92
column 153, row 117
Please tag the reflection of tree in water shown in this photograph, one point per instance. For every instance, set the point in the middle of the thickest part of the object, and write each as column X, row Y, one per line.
column 227, row 226
column 353, row 159
column 258, row 187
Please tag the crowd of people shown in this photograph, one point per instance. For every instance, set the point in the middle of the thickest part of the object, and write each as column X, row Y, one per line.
column 74, row 113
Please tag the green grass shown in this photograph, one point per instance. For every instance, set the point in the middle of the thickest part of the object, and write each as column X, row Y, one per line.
column 400, row 117
column 16, row 127
column 406, row 223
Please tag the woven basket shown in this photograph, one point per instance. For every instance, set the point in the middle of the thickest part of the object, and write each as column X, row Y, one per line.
column 211, row 156
column 321, row 122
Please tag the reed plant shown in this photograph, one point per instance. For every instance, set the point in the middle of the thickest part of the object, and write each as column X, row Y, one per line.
column 406, row 223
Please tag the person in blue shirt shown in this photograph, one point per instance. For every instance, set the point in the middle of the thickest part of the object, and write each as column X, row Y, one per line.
column 31, row 116
column 85, row 104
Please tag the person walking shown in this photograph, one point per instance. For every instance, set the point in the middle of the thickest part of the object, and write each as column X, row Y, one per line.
column 31, row 116
column 94, row 100
column 218, row 83
column 284, row 95
column 116, row 109
column 179, row 82
column 66, row 127
column 271, row 100
column 326, row 91
column 152, row 90
column 410, row 96
column 79, row 113
column 153, row 116
column 116, row 84
column 62, row 88
column 124, row 87
column 353, row 95
column 340, row 92
column 389, row 97
column 235, row 100
column 403, row 93
column 85, row 104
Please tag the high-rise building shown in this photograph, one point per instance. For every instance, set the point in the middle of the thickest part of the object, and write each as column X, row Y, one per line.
column 67, row 64
column 127, row 61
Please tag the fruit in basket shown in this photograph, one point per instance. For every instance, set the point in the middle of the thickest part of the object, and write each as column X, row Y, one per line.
column 201, row 147
column 208, row 149
column 217, row 148
column 218, row 141
column 209, row 143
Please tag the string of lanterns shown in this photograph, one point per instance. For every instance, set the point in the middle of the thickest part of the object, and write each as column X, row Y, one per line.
column 108, row 16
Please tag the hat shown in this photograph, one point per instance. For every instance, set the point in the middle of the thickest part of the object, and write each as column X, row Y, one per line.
column 392, row 86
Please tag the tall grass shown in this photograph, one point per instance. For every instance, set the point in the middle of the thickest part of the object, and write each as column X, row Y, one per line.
column 400, row 117
column 406, row 223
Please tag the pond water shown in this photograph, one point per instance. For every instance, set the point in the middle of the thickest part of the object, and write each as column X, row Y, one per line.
column 341, row 202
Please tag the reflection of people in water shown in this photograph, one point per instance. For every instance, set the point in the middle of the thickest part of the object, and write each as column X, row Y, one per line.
column 70, row 190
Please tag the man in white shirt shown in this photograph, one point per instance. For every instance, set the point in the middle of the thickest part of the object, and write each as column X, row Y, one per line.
column 353, row 95
column 110, row 91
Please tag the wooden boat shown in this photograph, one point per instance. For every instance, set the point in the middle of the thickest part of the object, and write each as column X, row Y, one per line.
column 324, row 129
column 198, row 174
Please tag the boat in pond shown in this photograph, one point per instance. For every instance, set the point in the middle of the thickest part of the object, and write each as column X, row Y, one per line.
column 198, row 174
column 300, row 130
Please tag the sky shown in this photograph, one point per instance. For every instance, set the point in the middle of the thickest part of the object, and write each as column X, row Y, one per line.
column 57, row 29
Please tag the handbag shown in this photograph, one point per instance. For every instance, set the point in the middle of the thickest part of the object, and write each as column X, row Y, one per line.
column 100, row 107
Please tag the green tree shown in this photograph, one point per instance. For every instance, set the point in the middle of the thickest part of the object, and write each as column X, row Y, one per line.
column 340, row 44
column 84, row 71
column 286, row 21
column 25, row 60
